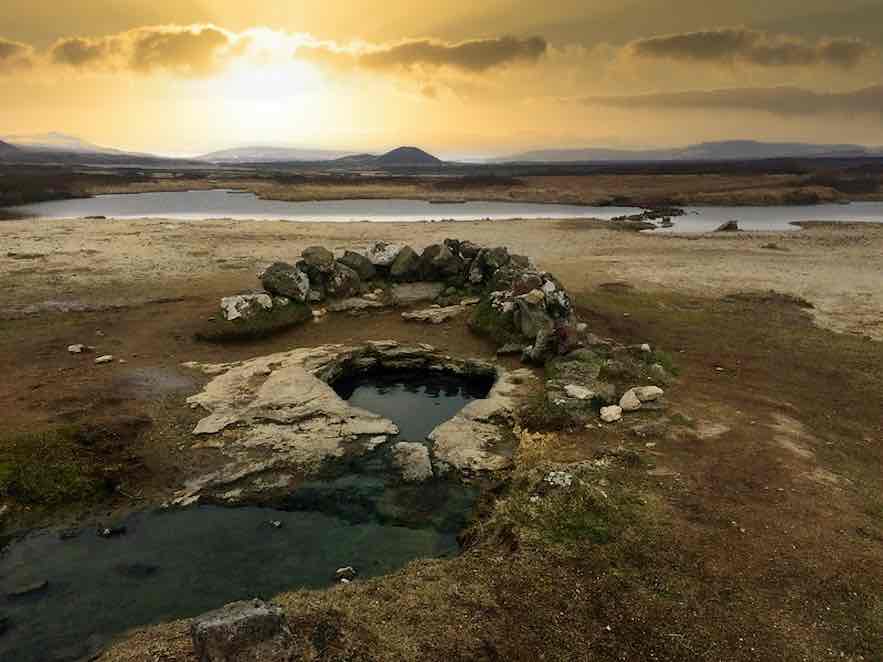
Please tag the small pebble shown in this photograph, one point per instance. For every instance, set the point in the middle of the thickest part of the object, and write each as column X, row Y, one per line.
column 104, row 359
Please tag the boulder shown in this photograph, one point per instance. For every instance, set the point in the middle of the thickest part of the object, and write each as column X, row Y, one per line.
column 527, row 282
column 611, row 414
column 319, row 258
column 342, row 282
column 412, row 459
column 543, row 348
column 487, row 263
column 558, row 303
column 495, row 258
column 241, row 632
column 408, row 294
column 360, row 264
column 578, row 392
column 382, row 254
column 729, row 226
column 629, row 401
column 648, row 393
column 245, row 306
column 530, row 314
column 406, row 267
column 439, row 262
column 287, row 281
column 468, row 250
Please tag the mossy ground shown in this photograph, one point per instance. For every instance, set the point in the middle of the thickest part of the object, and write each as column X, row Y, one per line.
column 51, row 468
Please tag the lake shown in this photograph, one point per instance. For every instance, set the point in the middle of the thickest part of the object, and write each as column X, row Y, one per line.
column 238, row 205
column 196, row 205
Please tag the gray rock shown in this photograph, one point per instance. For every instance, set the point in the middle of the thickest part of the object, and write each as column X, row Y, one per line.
column 412, row 459
column 406, row 267
column 347, row 573
column 355, row 305
column 729, row 226
column 244, row 631
column 579, row 392
column 439, row 262
column 407, row 294
column 360, row 264
column 101, row 360
column 510, row 349
column 242, row 306
column 530, row 314
column 611, row 414
column 468, row 250
column 543, row 347
column 342, row 282
column 319, row 258
column 630, row 401
column 285, row 280
column 76, row 349
column 648, row 393
column 383, row 254
column 434, row 315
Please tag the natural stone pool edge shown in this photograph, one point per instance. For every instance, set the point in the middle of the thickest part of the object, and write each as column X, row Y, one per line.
column 275, row 418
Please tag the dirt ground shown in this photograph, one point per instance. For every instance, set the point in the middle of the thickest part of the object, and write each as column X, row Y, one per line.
column 749, row 529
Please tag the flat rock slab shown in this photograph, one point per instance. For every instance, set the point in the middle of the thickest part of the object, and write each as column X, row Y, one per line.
column 477, row 439
column 413, row 461
column 356, row 305
column 407, row 294
column 434, row 315
column 274, row 417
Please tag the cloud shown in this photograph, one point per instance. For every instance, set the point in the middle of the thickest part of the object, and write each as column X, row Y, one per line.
column 197, row 50
column 14, row 55
column 756, row 47
column 787, row 101
column 472, row 56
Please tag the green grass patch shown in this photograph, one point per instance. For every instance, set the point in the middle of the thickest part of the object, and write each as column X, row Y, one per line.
column 541, row 415
column 263, row 325
column 49, row 468
column 570, row 517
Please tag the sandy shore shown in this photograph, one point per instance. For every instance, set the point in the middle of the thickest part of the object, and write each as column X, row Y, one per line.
column 87, row 264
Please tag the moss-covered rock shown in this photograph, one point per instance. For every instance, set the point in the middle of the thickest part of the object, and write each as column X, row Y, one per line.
column 261, row 324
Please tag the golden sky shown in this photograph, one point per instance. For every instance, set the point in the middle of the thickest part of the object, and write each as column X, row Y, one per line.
column 456, row 77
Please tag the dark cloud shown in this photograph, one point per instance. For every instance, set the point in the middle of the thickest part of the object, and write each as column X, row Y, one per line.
column 473, row 56
column 788, row 101
column 732, row 45
column 476, row 55
column 14, row 55
column 80, row 52
column 194, row 51
column 191, row 50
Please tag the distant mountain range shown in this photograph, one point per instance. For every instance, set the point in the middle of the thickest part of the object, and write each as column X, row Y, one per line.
column 6, row 148
column 401, row 156
column 731, row 150
column 259, row 154
column 59, row 148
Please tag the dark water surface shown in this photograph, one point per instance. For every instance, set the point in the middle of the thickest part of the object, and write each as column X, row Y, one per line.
column 416, row 403
column 179, row 563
